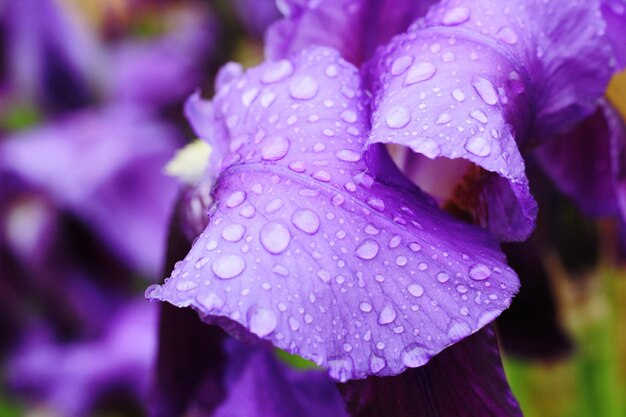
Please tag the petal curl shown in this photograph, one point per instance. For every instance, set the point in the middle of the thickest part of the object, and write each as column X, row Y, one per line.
column 306, row 249
column 473, row 78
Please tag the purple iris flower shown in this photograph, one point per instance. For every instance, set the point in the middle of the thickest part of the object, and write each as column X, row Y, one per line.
column 72, row 379
column 318, row 244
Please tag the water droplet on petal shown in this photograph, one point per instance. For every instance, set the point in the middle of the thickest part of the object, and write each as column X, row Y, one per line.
column 262, row 322
column 420, row 72
column 479, row 272
column 478, row 146
column 248, row 97
column 376, row 364
column 443, row 118
column 458, row 330
column 414, row 356
column 233, row 232
column 479, row 115
column 210, row 301
column 485, row 90
column 228, row 266
column 306, row 220
column 348, row 116
column 365, row 307
column 235, row 199
column 303, row 88
column 443, row 277
column 456, row 16
column 367, row 250
column 348, row 155
column 398, row 117
column 275, row 148
column 387, row 314
column 277, row 71
column 507, row 35
column 416, row 290
column 395, row 241
column 401, row 64
column 458, row 95
column 274, row 237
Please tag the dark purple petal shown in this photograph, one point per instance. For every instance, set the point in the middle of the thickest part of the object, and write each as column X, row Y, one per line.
column 584, row 163
column 260, row 386
column 115, row 157
column 470, row 80
column 530, row 328
column 465, row 380
column 70, row 379
column 50, row 54
column 307, row 249
column 256, row 15
column 354, row 27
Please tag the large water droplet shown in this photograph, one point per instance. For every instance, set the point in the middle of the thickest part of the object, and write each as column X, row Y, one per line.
column 249, row 96
column 376, row 364
column 401, row 64
column 416, row 290
column 478, row 146
column 262, row 321
column 348, row 155
column 420, row 72
column 233, row 232
column 387, row 314
column 485, row 90
column 235, row 199
column 275, row 148
column 368, row 249
column 443, row 277
column 458, row 95
column 414, row 356
column 456, row 16
column 274, row 237
column 306, row 220
column 507, row 35
column 479, row 272
column 228, row 266
column 277, row 71
column 398, row 117
column 303, row 88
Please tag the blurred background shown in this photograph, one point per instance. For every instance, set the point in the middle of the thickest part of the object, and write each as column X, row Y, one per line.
column 91, row 111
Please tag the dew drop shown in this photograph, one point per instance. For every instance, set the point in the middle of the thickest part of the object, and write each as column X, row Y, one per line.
column 420, row 72
column 456, row 16
column 228, row 266
column 376, row 364
column 387, row 314
column 365, row 307
column 414, row 356
column 479, row 272
column 443, row 277
column 306, row 220
column 262, row 322
column 275, row 148
column 401, row 64
column 367, row 250
column 274, row 237
column 303, row 88
column 458, row 95
column 479, row 115
column 248, row 97
column 478, row 146
column 415, row 290
column 401, row 261
column 395, row 241
column 398, row 117
column 348, row 116
column 233, row 232
column 348, row 155
column 235, row 199
column 485, row 90
column 507, row 35
column 277, row 71
column 443, row 118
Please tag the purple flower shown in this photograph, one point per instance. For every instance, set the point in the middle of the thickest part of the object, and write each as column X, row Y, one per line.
column 70, row 379
column 115, row 157
column 327, row 253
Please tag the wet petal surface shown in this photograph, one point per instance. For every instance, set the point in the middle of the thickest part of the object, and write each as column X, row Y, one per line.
column 307, row 249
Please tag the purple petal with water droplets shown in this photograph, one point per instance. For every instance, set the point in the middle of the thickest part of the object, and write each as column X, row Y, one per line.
column 305, row 249
column 481, row 73
column 354, row 27
column 614, row 13
column 465, row 380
